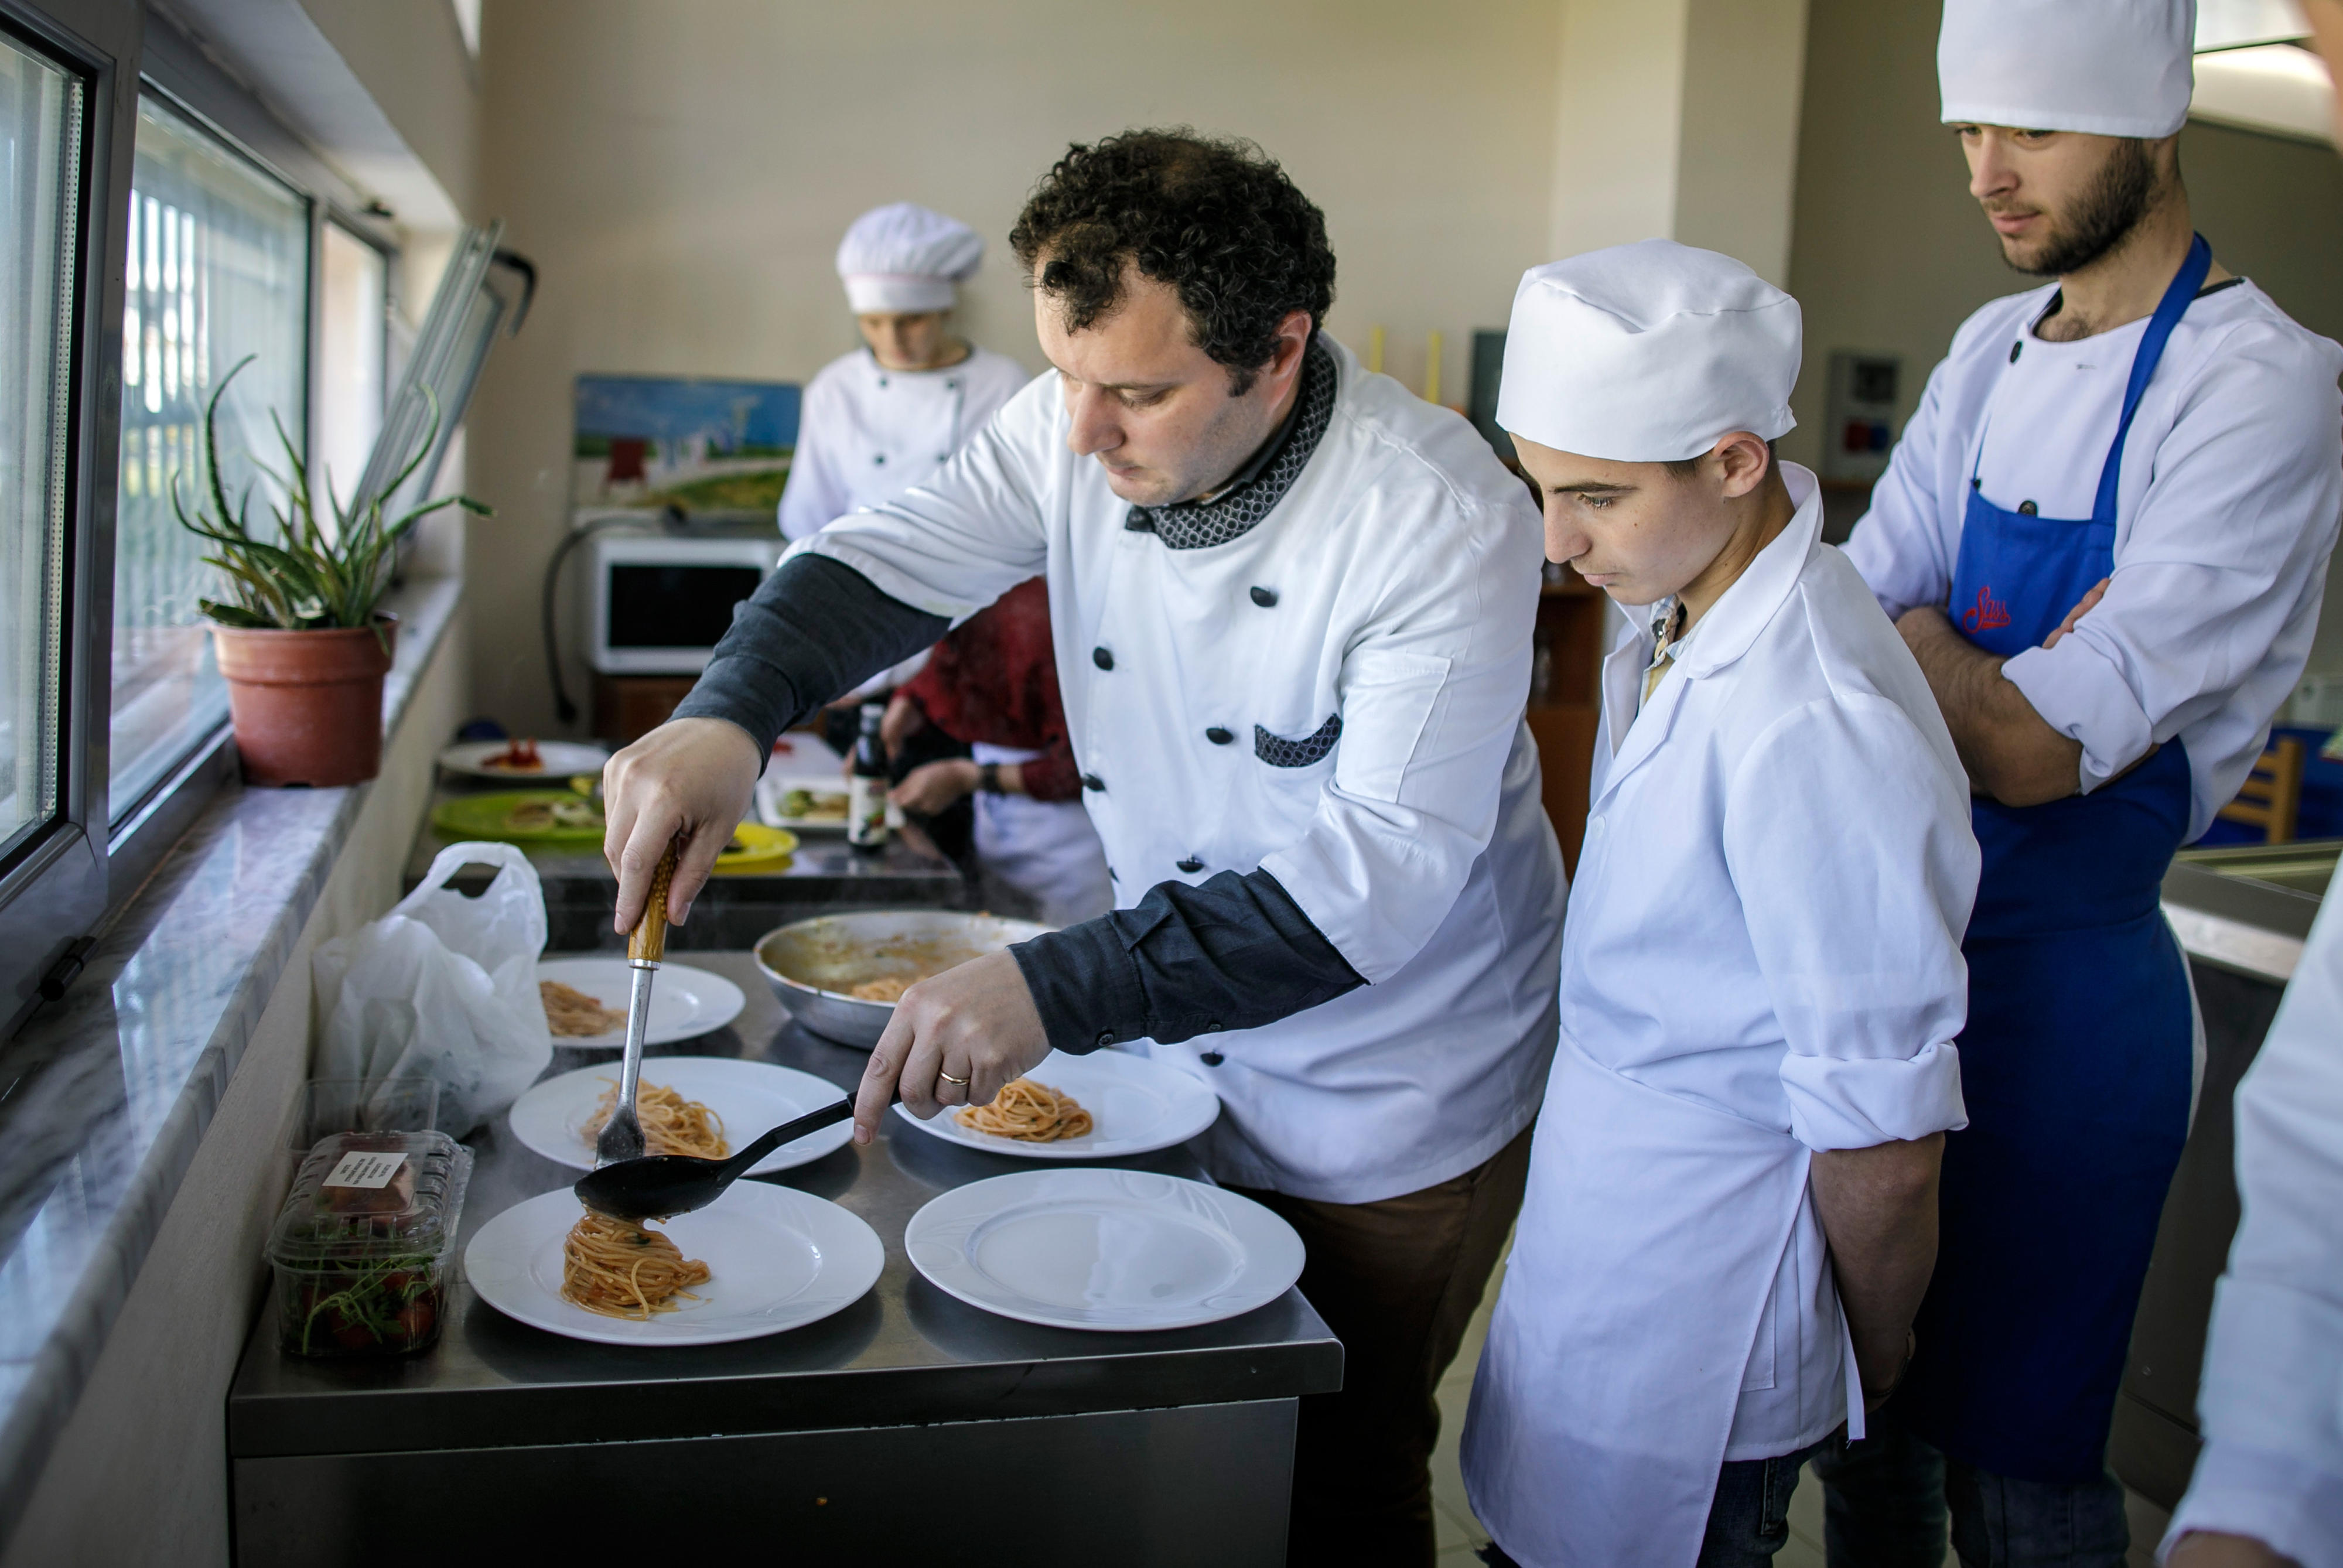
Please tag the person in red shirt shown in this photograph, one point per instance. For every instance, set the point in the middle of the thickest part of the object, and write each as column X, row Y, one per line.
column 992, row 684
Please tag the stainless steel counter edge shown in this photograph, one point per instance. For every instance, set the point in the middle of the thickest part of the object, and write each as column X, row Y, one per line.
column 675, row 1405
column 2252, row 928
column 109, row 1091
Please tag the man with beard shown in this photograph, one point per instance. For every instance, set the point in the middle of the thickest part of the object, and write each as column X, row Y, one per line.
column 2105, row 537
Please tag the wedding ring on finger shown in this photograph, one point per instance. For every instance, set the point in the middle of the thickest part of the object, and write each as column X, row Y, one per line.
column 948, row 1078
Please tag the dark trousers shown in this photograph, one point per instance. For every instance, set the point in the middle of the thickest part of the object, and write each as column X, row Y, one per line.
column 1748, row 1516
column 1397, row 1280
column 1887, row 1501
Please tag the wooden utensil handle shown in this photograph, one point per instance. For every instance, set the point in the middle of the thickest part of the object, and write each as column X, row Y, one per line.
column 648, row 943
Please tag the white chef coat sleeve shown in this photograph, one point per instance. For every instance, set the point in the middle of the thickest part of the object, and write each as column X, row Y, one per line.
column 2235, row 527
column 1431, row 698
column 1849, row 845
column 1903, row 545
column 953, row 545
column 816, row 491
column 2271, row 1405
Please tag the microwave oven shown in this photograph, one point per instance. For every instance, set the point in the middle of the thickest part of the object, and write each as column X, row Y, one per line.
column 658, row 603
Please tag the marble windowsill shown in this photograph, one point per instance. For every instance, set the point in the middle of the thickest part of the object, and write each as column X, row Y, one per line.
column 112, row 1087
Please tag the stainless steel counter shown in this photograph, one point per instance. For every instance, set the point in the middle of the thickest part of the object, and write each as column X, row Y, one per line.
column 890, row 1429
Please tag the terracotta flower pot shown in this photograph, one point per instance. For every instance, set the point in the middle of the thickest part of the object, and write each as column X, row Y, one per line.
column 307, row 706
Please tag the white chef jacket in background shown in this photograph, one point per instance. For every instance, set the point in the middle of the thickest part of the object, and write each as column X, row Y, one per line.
column 1404, row 566
column 867, row 434
column 1761, row 959
column 2272, row 1401
column 2226, row 513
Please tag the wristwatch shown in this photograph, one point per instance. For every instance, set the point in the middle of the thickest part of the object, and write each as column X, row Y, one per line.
column 988, row 777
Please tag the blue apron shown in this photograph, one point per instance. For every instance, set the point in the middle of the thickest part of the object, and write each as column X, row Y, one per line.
column 2076, row 1062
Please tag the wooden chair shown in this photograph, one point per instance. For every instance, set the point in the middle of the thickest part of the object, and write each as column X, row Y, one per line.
column 2272, row 793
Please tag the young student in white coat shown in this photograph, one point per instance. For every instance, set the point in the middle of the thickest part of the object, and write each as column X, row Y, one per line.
column 883, row 419
column 2104, row 534
column 1292, row 606
column 1731, row 1212
column 2268, row 1491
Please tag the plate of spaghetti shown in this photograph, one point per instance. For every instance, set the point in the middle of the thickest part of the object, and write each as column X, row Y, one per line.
column 686, row 1004
column 1102, row 1106
column 1089, row 1248
column 758, row 1260
column 699, row 1105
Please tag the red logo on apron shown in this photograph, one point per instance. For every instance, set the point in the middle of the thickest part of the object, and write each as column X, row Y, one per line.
column 1986, row 613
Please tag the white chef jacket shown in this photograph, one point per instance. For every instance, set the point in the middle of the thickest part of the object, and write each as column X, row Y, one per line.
column 2231, row 487
column 2271, row 1407
column 1761, row 959
column 867, row 434
column 1404, row 564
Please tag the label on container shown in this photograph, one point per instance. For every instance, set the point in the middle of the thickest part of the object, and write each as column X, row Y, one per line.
column 363, row 1168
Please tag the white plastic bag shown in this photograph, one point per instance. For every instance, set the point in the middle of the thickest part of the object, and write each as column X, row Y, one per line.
column 443, row 987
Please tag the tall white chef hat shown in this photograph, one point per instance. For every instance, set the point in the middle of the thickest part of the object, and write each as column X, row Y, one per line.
column 2110, row 67
column 902, row 259
column 1648, row 353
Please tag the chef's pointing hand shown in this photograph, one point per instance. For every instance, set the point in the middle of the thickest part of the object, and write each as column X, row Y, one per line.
column 693, row 776
column 976, row 1022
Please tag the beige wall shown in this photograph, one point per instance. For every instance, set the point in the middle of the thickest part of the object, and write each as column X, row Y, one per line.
column 410, row 58
column 151, row 1422
column 1889, row 252
column 682, row 174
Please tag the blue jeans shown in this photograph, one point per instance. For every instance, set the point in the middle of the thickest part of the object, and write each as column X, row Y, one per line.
column 1748, row 1517
column 1885, row 1503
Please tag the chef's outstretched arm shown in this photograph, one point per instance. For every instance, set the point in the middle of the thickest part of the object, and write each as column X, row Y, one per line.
column 814, row 629
column 1234, row 952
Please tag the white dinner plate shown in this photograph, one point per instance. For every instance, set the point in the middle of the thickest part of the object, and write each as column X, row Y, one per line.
column 749, row 1097
column 1122, row 1250
column 685, row 1003
column 778, row 1259
column 1135, row 1105
column 563, row 760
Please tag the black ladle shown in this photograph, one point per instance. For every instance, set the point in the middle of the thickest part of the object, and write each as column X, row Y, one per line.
column 661, row 1184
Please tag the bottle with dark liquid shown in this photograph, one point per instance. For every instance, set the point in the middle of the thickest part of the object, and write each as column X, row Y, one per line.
column 866, row 788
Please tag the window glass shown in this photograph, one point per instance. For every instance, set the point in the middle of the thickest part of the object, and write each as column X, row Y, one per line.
column 40, row 164
column 218, row 269
column 354, row 282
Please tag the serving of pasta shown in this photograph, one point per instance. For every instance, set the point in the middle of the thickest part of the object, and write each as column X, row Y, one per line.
column 1029, row 1112
column 622, row 1270
column 671, row 1124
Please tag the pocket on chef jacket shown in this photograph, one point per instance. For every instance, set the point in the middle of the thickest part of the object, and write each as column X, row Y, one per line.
column 1387, row 700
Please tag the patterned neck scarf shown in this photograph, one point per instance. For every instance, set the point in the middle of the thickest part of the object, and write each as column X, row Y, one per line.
column 1262, row 482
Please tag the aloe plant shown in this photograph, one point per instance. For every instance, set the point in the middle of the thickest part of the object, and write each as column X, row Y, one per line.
column 313, row 577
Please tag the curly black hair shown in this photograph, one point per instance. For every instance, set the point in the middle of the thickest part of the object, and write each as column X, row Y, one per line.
column 1212, row 217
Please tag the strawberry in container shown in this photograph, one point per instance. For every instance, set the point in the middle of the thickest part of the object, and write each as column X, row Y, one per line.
column 364, row 1244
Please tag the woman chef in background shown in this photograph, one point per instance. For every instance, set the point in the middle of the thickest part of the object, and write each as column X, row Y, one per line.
column 877, row 422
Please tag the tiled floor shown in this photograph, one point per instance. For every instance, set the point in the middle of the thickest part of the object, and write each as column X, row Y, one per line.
column 1460, row 1535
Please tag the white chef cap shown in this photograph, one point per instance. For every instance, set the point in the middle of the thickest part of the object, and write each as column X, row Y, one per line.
column 2110, row 67
column 905, row 258
column 1648, row 353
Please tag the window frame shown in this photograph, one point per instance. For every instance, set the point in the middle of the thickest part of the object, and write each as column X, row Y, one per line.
column 55, row 887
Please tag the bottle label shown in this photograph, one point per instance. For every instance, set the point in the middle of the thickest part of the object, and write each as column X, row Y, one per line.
column 866, row 810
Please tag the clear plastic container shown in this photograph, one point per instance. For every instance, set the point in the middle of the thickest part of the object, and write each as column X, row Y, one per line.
column 331, row 1105
column 366, row 1241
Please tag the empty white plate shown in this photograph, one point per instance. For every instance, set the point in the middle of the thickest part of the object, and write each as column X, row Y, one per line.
column 750, row 1097
column 1135, row 1105
column 778, row 1259
column 685, row 1003
column 563, row 760
column 1123, row 1251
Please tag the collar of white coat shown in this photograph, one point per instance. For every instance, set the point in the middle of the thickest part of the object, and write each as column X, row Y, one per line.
column 1749, row 605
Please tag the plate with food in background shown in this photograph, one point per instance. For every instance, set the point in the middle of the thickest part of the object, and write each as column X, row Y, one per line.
column 1102, row 1106
column 585, row 1002
column 703, row 1105
column 523, row 758
column 802, row 807
column 761, row 1259
column 524, row 816
column 1120, row 1251
column 842, row 975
